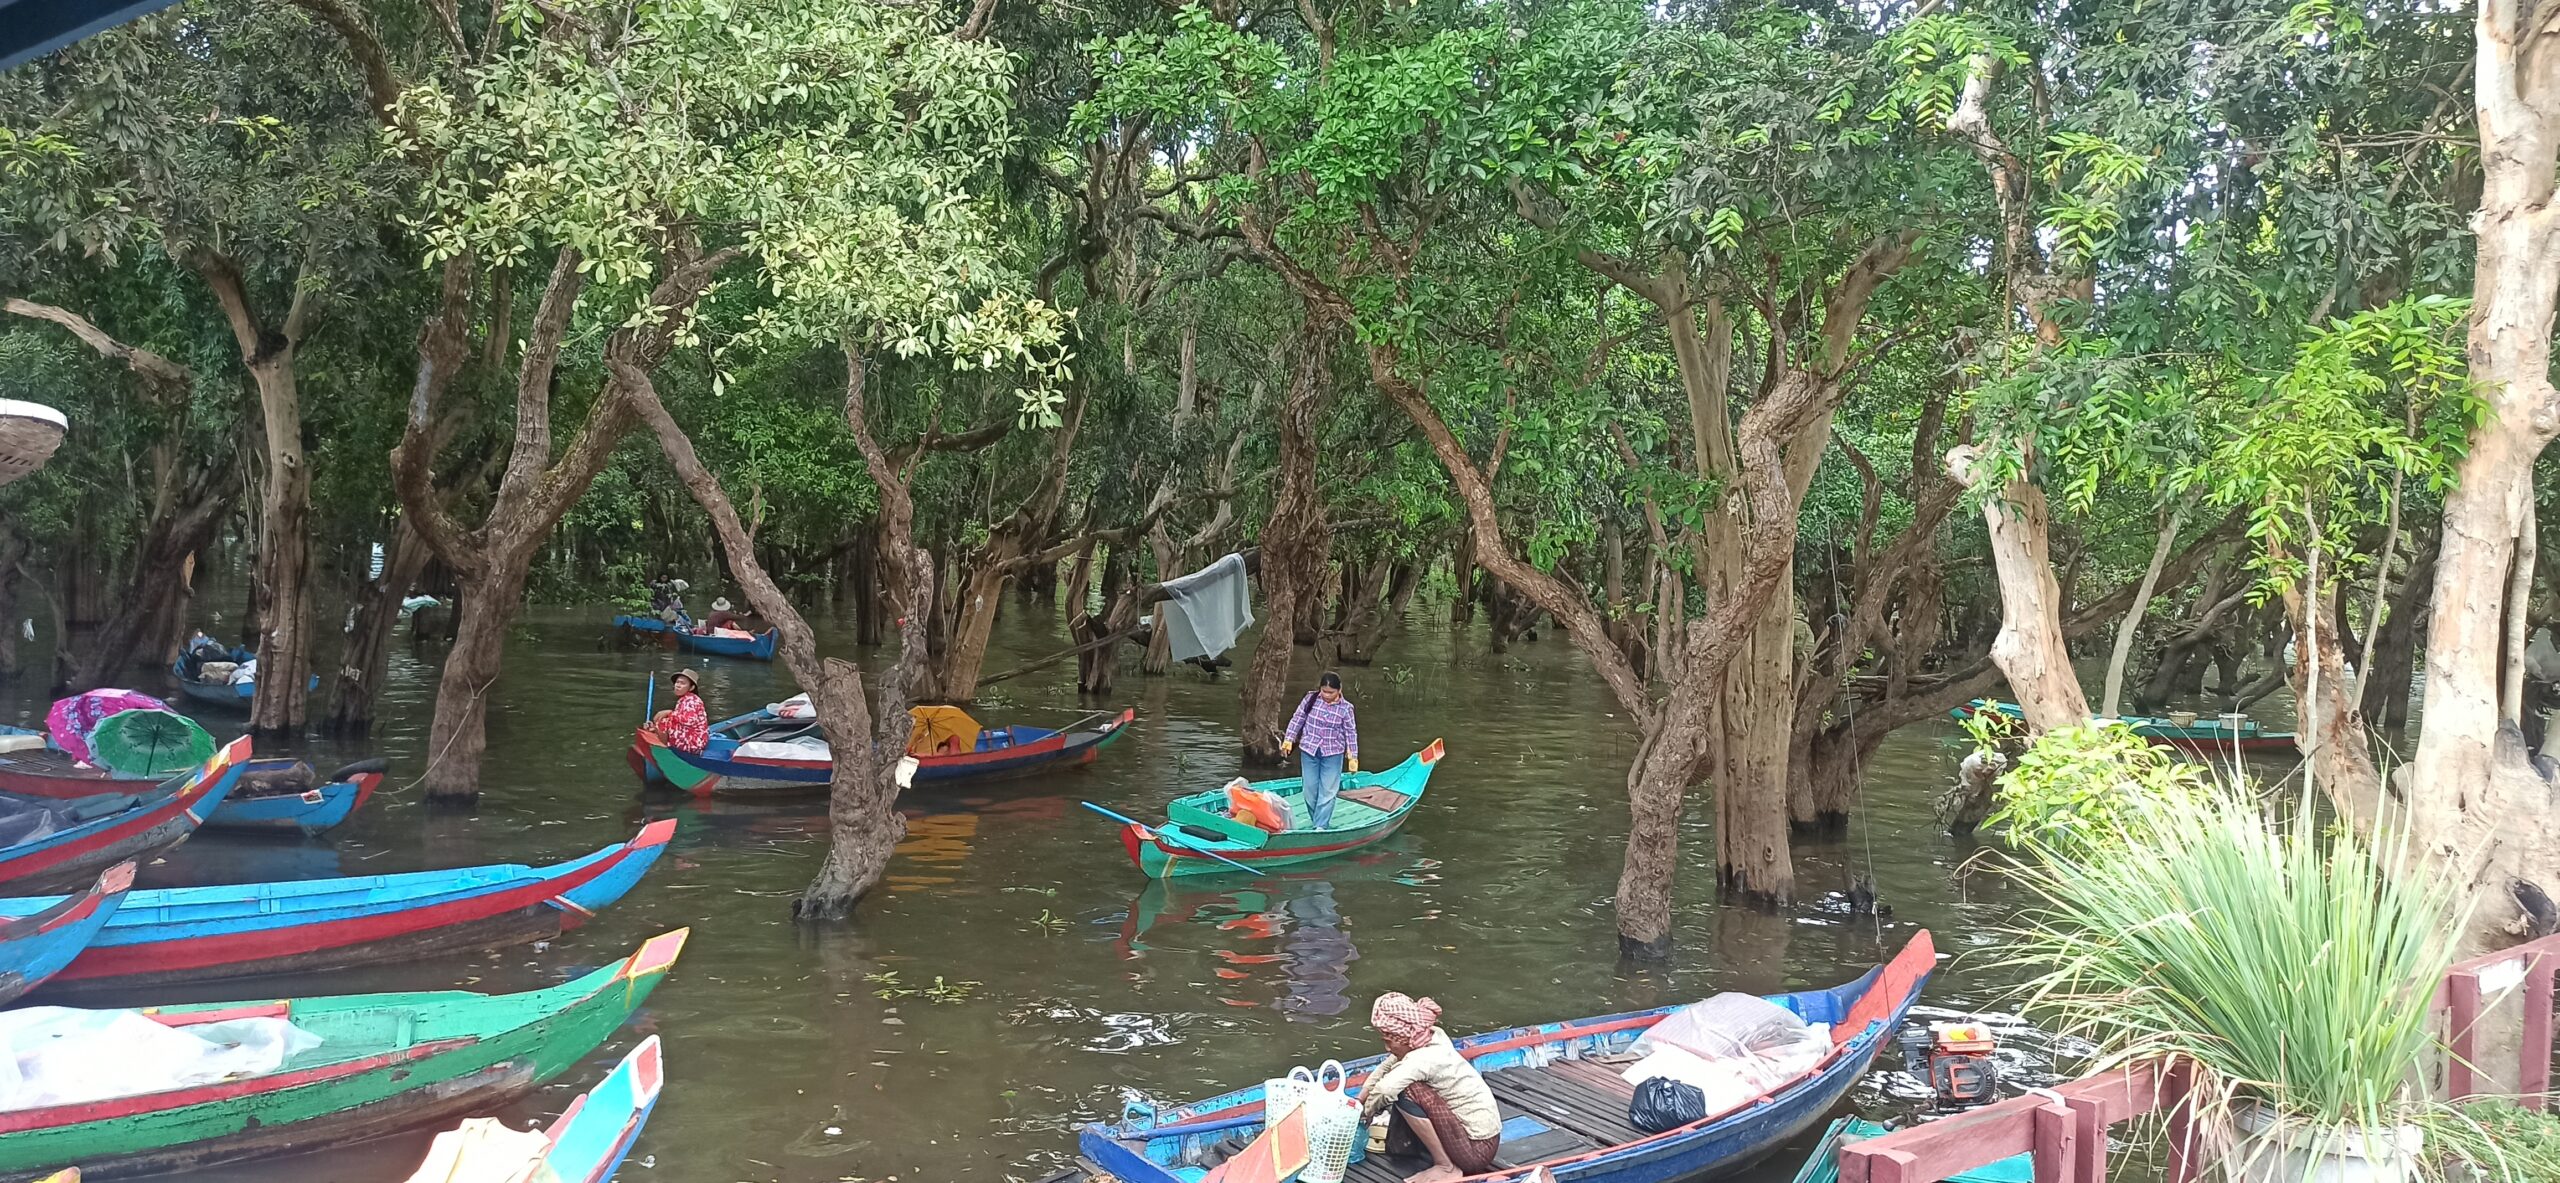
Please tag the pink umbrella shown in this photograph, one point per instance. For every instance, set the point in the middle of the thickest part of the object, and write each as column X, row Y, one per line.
column 70, row 720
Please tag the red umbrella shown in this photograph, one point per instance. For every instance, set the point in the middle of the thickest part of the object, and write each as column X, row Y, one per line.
column 71, row 719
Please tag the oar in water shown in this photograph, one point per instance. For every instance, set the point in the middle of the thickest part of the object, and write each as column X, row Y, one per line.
column 1131, row 821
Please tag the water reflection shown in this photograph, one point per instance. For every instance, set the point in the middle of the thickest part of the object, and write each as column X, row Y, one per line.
column 787, row 1064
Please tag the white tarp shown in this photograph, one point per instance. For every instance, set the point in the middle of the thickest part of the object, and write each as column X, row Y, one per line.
column 1735, row 1048
column 485, row 1150
column 59, row 1055
column 1207, row 608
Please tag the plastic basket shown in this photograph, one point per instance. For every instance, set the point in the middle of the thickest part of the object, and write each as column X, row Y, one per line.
column 1334, row 1129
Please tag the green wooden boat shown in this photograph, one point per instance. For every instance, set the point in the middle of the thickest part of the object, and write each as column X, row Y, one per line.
column 1372, row 806
column 386, row 1062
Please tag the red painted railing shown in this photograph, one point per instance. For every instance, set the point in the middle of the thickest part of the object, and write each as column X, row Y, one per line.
column 2065, row 1128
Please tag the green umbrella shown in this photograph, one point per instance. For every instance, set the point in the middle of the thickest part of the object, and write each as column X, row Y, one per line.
column 148, row 743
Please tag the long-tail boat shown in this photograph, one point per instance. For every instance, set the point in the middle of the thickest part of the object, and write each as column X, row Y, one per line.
column 314, row 810
column 35, row 947
column 761, row 752
column 1371, row 806
column 386, row 1063
column 2200, row 736
column 53, row 774
column 56, row 843
column 1564, row 1111
column 188, row 934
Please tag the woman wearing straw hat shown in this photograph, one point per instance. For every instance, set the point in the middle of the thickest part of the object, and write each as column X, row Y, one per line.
column 723, row 616
column 1438, row 1095
column 685, row 726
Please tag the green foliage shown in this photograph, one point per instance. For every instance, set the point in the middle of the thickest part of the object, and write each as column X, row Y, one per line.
column 2086, row 786
column 839, row 142
column 2502, row 1141
column 2294, row 965
column 2312, row 451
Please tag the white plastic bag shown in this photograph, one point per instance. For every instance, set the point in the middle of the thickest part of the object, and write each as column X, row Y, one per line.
column 55, row 1055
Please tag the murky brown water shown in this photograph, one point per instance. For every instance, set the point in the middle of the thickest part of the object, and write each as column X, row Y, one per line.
column 1070, row 979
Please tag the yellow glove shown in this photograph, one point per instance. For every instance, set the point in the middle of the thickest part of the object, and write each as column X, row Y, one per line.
column 1287, row 746
column 1351, row 763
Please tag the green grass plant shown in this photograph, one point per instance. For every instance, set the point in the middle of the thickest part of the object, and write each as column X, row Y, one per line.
column 2176, row 920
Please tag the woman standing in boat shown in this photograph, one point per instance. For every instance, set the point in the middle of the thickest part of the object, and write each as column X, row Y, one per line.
column 1435, row 1091
column 686, row 726
column 1326, row 735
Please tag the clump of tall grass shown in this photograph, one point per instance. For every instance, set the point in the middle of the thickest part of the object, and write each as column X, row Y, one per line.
column 2292, row 964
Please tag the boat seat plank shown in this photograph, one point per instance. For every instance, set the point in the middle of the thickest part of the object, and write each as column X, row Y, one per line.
column 1377, row 797
column 1600, row 1076
column 1566, row 1102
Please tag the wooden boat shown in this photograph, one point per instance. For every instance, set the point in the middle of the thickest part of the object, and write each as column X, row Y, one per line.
column 51, row 773
column 756, row 647
column 1372, row 806
column 1823, row 1165
column 1562, row 1112
column 387, row 1062
column 749, row 646
column 65, row 842
column 306, row 811
column 37, row 946
column 190, row 934
column 722, row 767
column 235, row 695
column 584, row 1145
column 2204, row 737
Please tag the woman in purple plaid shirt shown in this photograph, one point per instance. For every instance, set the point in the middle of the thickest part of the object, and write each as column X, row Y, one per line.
column 1326, row 735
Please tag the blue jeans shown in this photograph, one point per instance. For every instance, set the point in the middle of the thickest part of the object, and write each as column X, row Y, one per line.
column 1323, row 777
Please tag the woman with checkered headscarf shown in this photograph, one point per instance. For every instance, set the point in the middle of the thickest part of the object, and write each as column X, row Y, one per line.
column 1436, row 1093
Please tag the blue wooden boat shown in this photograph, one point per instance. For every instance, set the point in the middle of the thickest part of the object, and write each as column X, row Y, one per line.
column 303, row 811
column 585, row 1144
column 590, row 1140
column 760, row 647
column 200, row 933
column 1823, row 1166
column 235, row 695
column 48, row 842
column 1563, row 1112
column 35, row 947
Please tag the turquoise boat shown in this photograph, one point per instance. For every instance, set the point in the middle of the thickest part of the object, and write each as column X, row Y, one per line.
column 1371, row 807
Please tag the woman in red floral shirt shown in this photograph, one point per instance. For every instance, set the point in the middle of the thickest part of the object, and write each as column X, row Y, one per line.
column 687, row 726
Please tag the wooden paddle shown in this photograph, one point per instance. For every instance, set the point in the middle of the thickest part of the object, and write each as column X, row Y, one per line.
column 1127, row 820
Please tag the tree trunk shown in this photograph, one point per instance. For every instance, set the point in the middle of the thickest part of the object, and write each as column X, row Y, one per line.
column 13, row 551
column 490, row 562
column 2113, row 699
column 2478, row 807
column 283, row 574
column 1462, row 580
column 2387, row 685
column 184, row 519
column 973, row 617
column 1294, row 541
column 2029, row 647
column 1753, row 862
column 356, row 694
column 1657, row 784
column 1366, row 616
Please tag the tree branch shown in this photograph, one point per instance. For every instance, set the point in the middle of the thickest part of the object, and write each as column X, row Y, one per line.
column 164, row 378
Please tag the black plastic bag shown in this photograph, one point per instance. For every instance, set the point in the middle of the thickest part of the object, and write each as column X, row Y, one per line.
column 1663, row 1103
